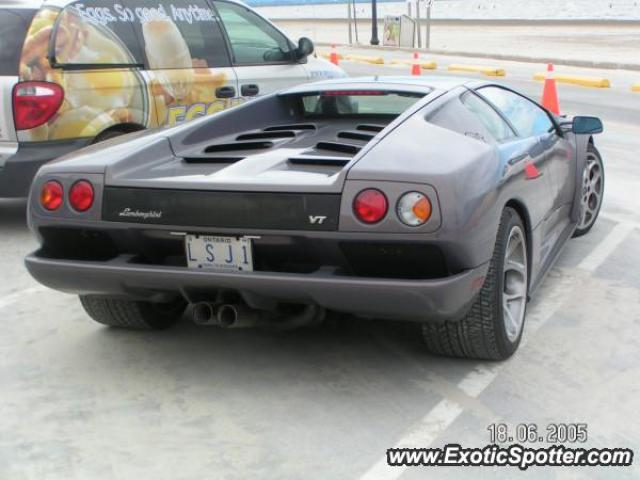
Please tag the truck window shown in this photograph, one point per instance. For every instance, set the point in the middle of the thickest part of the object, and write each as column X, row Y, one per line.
column 253, row 40
column 182, row 35
column 13, row 29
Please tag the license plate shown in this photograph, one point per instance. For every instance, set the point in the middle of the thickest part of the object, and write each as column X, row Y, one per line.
column 224, row 254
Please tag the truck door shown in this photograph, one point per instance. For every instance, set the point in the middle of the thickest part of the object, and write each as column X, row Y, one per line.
column 262, row 56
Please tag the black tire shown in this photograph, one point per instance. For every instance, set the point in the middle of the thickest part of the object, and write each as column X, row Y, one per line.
column 116, row 312
column 109, row 134
column 481, row 334
column 592, row 152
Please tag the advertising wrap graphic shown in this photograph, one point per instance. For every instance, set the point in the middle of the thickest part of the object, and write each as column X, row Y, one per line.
column 97, row 54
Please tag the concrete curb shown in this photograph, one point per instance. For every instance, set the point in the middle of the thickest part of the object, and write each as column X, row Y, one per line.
column 488, row 71
column 423, row 65
column 635, row 88
column 583, row 81
column 508, row 58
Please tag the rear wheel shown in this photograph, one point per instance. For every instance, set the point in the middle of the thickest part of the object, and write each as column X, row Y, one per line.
column 132, row 314
column 115, row 132
column 592, row 191
column 493, row 327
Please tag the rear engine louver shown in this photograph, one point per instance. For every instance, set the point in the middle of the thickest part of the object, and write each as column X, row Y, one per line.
column 266, row 135
column 299, row 126
column 236, row 147
column 216, row 160
column 370, row 128
column 365, row 137
column 338, row 147
column 319, row 161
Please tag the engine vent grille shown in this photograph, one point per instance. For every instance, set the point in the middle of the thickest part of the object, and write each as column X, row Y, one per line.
column 365, row 137
column 338, row 147
column 321, row 161
column 237, row 147
column 219, row 159
column 266, row 135
column 296, row 126
column 370, row 128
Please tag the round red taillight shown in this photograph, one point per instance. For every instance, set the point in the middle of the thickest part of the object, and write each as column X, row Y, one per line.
column 81, row 196
column 51, row 195
column 370, row 206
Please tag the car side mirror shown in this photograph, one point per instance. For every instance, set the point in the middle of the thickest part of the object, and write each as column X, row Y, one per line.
column 587, row 125
column 305, row 48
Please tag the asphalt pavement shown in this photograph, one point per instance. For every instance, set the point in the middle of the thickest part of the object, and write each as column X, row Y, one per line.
column 79, row 401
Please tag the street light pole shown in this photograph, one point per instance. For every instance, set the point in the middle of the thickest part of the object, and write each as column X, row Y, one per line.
column 374, row 23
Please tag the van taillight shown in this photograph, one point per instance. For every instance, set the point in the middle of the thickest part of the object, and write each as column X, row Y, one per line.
column 34, row 103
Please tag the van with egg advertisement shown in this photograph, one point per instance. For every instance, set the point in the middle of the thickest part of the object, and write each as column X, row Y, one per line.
column 92, row 70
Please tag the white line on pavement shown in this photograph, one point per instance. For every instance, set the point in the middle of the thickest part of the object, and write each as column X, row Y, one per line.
column 620, row 219
column 432, row 424
column 12, row 298
column 441, row 417
column 599, row 254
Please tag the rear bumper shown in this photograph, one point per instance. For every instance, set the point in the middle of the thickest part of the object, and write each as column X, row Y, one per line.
column 19, row 169
column 414, row 300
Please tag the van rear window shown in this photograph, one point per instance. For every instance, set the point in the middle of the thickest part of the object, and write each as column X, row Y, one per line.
column 14, row 23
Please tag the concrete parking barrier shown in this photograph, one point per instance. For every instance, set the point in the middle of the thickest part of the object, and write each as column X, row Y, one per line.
column 488, row 71
column 635, row 88
column 364, row 58
column 584, row 81
column 423, row 65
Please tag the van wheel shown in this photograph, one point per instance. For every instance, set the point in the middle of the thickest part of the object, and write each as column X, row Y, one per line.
column 493, row 327
column 109, row 134
column 116, row 312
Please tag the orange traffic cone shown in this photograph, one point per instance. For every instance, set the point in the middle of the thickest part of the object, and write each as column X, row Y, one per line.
column 550, row 92
column 333, row 58
column 415, row 66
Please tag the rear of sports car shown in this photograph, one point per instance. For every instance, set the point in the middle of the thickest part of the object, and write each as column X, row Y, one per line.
column 289, row 207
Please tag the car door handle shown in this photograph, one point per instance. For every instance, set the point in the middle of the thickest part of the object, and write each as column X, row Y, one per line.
column 225, row 92
column 249, row 90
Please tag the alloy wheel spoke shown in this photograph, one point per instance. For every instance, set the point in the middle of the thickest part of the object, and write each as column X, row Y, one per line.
column 515, row 266
column 514, row 289
column 509, row 297
column 511, row 324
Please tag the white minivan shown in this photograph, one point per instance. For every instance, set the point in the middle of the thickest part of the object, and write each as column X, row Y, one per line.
column 78, row 72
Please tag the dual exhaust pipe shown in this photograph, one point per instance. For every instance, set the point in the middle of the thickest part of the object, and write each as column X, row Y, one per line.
column 236, row 315
column 225, row 315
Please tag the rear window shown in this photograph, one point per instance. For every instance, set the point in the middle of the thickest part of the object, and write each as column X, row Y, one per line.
column 103, row 33
column 13, row 29
column 365, row 103
column 95, row 35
